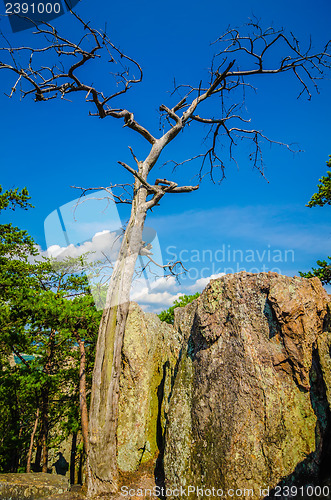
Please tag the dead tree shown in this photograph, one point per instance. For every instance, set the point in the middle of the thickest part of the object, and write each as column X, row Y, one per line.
column 242, row 56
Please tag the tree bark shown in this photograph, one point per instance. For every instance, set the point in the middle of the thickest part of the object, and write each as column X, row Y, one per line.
column 28, row 462
column 82, row 393
column 102, row 457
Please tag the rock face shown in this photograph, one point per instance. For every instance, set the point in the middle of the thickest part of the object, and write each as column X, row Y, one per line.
column 31, row 486
column 250, row 404
column 150, row 353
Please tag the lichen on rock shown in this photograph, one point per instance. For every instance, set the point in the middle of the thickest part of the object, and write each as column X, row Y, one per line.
column 249, row 406
column 150, row 353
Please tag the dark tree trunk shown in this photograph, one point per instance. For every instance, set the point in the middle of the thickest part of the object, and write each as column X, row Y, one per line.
column 37, row 462
column 44, row 428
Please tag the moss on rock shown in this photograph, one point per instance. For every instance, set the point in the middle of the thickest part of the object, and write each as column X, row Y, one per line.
column 150, row 353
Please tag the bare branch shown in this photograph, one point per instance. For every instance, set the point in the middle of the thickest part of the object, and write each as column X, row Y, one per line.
column 134, row 157
column 111, row 195
column 258, row 42
column 163, row 186
column 171, row 113
column 170, row 266
column 254, row 49
column 130, row 122
column 49, row 82
column 172, row 187
column 137, row 175
column 244, row 54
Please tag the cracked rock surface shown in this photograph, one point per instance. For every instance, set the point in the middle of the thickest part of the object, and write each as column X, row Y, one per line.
column 250, row 403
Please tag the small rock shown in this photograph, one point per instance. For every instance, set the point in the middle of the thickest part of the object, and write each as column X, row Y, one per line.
column 32, row 486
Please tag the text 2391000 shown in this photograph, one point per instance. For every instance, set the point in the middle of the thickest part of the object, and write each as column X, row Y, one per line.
column 33, row 8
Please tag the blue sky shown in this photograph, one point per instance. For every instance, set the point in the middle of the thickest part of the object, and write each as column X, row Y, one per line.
column 51, row 146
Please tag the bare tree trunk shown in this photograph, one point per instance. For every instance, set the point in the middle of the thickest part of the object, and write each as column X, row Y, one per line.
column 102, row 457
column 28, row 463
column 82, row 393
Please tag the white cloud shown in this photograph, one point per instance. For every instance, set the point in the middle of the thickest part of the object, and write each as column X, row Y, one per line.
column 164, row 291
column 103, row 244
column 164, row 284
column 201, row 283
column 156, row 295
column 159, row 300
column 153, row 295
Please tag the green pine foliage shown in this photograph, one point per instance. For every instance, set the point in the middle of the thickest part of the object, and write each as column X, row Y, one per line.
column 45, row 306
column 323, row 272
column 16, row 247
column 169, row 314
column 321, row 198
column 323, row 195
column 13, row 198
